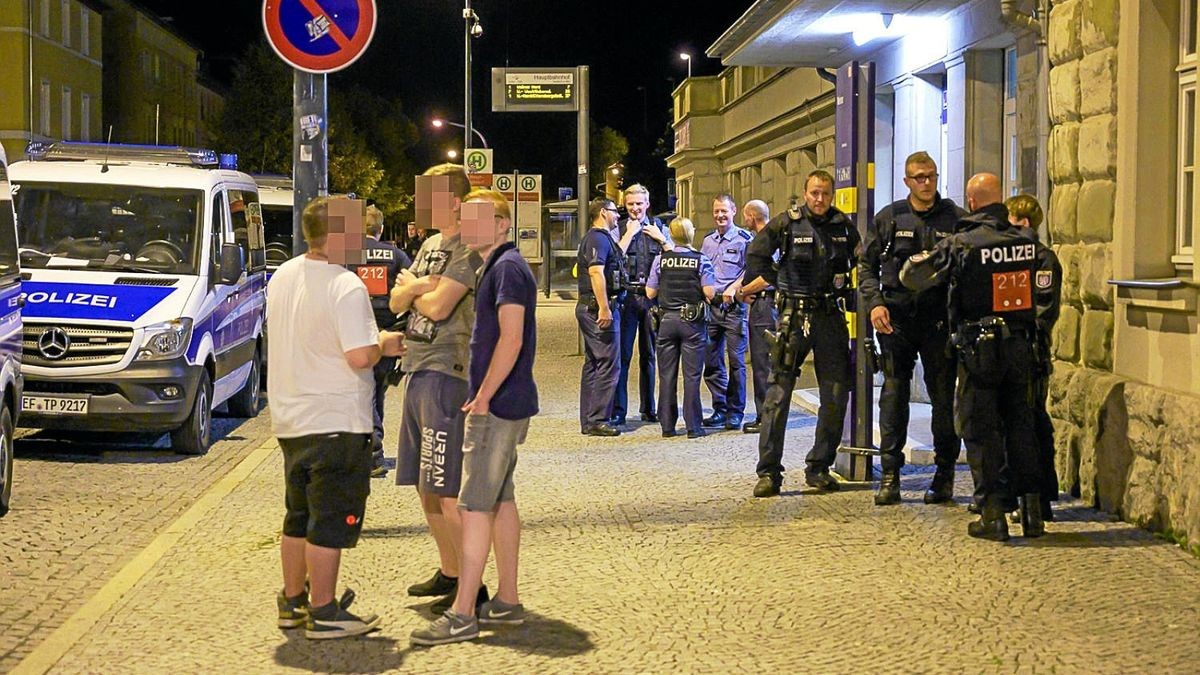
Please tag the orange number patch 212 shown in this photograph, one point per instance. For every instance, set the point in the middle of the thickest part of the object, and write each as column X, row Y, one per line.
column 1010, row 291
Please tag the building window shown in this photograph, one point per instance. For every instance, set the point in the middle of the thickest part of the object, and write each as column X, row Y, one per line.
column 1185, row 172
column 66, row 113
column 85, row 39
column 45, row 18
column 44, row 113
column 85, row 116
column 66, row 23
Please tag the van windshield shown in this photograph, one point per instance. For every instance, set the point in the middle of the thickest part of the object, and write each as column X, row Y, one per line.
column 98, row 226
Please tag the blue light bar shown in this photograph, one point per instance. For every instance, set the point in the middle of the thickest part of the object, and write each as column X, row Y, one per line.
column 123, row 153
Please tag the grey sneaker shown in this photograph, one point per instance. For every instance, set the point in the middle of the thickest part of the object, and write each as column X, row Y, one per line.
column 495, row 611
column 293, row 612
column 449, row 627
column 333, row 621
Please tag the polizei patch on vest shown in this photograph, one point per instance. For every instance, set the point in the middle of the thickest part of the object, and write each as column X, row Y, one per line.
column 680, row 263
column 802, row 240
column 1006, row 254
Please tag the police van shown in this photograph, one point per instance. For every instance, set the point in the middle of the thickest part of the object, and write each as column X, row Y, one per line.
column 10, row 335
column 275, row 193
column 145, row 289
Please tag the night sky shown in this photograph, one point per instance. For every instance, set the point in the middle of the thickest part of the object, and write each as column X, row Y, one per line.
column 417, row 54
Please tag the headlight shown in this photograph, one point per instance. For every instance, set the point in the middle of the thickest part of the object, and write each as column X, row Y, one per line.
column 165, row 340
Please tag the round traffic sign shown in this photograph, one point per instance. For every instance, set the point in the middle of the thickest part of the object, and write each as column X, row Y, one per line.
column 503, row 183
column 528, row 183
column 476, row 161
column 319, row 36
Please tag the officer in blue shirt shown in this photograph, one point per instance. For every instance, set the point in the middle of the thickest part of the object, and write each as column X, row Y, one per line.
column 381, row 264
column 683, row 281
column 600, row 267
column 643, row 238
column 727, row 333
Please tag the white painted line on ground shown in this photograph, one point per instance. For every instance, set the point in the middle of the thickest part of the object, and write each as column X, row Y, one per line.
column 47, row 654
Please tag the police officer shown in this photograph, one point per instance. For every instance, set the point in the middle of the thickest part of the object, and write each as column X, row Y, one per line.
column 726, row 248
column 600, row 268
column 911, row 324
column 643, row 238
column 1001, row 285
column 761, row 297
column 683, row 281
column 1025, row 212
column 381, row 265
column 817, row 247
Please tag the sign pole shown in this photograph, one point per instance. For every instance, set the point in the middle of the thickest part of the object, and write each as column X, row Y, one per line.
column 583, row 149
column 310, row 148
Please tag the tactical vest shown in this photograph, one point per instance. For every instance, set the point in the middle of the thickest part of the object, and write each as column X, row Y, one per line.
column 997, row 278
column 639, row 259
column 615, row 277
column 378, row 273
column 816, row 261
column 679, row 281
column 909, row 235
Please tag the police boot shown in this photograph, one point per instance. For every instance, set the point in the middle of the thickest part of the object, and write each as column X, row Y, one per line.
column 889, row 488
column 768, row 486
column 991, row 525
column 1031, row 515
column 941, row 488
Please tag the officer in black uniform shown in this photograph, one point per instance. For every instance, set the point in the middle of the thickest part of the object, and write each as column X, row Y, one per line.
column 381, row 265
column 600, row 267
column 1025, row 212
column 818, row 249
column 643, row 238
column 683, row 280
column 760, row 296
column 909, row 325
column 1001, row 285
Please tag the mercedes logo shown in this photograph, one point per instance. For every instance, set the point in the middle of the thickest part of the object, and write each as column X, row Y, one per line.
column 53, row 343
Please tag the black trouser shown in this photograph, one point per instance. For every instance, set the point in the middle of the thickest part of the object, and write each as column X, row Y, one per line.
column 636, row 323
column 763, row 317
column 727, row 339
column 382, row 371
column 680, row 340
column 601, row 365
column 926, row 337
column 994, row 415
column 829, row 340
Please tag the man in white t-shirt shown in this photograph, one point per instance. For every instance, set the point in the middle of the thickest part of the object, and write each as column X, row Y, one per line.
column 324, row 344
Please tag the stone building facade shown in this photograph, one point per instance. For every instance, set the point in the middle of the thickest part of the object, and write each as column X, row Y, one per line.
column 1122, row 210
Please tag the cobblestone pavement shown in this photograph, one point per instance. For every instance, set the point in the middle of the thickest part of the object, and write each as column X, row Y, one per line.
column 83, row 506
column 642, row 554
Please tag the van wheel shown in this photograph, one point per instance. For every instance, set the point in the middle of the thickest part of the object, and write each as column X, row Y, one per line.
column 6, row 459
column 245, row 402
column 194, row 436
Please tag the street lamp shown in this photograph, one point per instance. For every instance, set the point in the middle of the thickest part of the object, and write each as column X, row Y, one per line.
column 687, row 57
column 439, row 123
column 452, row 154
column 473, row 29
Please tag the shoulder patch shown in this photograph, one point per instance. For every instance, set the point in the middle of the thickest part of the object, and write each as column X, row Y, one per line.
column 745, row 235
column 1044, row 279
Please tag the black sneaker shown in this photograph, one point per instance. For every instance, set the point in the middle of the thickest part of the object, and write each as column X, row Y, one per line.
column 333, row 621
column 447, row 628
column 821, row 480
column 443, row 605
column 293, row 612
column 494, row 611
column 768, row 486
column 438, row 584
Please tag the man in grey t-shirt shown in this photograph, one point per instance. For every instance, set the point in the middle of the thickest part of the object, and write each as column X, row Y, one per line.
column 438, row 291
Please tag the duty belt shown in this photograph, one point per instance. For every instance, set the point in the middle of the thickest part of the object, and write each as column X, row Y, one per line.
column 806, row 303
column 636, row 288
column 994, row 326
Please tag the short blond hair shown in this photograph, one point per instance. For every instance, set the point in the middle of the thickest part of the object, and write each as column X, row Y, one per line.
column 683, row 232
column 637, row 189
column 497, row 199
column 373, row 221
column 460, row 183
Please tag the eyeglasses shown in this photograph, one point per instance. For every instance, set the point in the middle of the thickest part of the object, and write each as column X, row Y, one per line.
column 923, row 178
column 612, row 210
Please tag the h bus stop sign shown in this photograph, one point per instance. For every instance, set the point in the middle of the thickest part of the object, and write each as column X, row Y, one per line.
column 319, row 36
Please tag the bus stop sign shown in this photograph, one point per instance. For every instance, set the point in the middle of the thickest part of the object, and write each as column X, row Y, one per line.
column 319, row 36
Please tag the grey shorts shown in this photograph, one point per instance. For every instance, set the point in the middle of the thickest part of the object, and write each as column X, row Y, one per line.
column 489, row 458
column 431, row 433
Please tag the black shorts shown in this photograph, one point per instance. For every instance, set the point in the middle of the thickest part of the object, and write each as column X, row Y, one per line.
column 328, row 478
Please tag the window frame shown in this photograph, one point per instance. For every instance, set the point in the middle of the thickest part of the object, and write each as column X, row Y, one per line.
column 1187, row 210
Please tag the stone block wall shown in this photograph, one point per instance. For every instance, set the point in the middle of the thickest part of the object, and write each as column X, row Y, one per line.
column 1121, row 445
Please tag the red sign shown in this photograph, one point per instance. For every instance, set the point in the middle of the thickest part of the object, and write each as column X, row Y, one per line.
column 319, row 36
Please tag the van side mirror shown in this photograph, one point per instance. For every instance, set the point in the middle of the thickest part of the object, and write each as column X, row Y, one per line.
column 233, row 261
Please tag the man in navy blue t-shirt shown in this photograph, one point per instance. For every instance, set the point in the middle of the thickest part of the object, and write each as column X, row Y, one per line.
column 502, row 397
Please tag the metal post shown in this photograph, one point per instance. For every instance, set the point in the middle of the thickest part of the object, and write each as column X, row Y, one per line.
column 310, row 148
column 583, row 150
column 516, row 205
column 467, row 14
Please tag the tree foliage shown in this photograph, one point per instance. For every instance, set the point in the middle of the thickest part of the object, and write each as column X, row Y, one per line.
column 607, row 146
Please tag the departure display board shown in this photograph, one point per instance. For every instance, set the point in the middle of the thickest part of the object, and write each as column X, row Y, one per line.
column 534, row 89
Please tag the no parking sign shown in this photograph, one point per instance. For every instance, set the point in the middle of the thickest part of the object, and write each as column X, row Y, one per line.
column 319, row 36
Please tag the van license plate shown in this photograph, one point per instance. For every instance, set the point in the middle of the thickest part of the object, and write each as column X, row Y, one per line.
column 55, row 405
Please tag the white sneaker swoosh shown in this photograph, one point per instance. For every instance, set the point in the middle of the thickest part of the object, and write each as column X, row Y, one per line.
column 499, row 615
column 459, row 631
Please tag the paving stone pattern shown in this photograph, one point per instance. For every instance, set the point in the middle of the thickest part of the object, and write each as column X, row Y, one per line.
column 647, row 555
